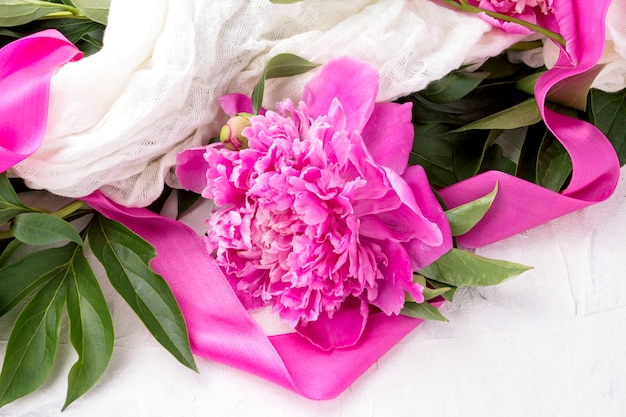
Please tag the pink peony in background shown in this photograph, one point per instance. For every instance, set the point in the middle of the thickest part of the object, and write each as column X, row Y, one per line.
column 516, row 6
column 319, row 216
column 537, row 12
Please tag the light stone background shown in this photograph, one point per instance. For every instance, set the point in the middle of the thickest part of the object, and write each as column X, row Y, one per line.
column 551, row 343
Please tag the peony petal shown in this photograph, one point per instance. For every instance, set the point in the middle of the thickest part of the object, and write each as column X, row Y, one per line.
column 410, row 213
column 398, row 277
column 354, row 83
column 191, row 168
column 401, row 225
column 376, row 204
column 423, row 254
column 388, row 135
column 235, row 103
column 342, row 330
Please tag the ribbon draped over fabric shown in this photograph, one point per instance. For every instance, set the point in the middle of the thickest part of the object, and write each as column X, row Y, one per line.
column 219, row 326
column 26, row 67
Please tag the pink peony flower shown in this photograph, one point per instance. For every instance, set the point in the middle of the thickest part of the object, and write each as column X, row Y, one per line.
column 517, row 6
column 319, row 216
column 533, row 11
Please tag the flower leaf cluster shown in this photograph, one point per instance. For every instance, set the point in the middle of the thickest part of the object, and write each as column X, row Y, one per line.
column 459, row 268
column 81, row 21
column 471, row 122
column 44, row 270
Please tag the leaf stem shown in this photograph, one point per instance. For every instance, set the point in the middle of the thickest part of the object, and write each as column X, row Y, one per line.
column 6, row 234
column 464, row 6
column 62, row 15
column 73, row 10
column 65, row 211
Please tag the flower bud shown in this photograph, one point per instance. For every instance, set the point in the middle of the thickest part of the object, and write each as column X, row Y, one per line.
column 231, row 133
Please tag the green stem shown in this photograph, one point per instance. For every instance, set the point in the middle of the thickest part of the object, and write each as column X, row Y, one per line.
column 463, row 6
column 72, row 10
column 65, row 211
column 62, row 15
column 6, row 234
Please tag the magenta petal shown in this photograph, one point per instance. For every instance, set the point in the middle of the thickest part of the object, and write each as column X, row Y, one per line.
column 191, row 168
column 421, row 253
column 235, row 103
column 354, row 83
column 398, row 278
column 508, row 27
column 388, row 135
column 404, row 225
column 410, row 213
column 342, row 330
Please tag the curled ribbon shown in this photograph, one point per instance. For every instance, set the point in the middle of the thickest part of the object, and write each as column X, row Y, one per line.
column 520, row 205
column 26, row 67
column 220, row 328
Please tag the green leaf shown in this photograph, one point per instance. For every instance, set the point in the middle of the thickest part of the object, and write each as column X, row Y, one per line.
column 453, row 86
column 461, row 268
column 423, row 310
column 85, row 34
column 494, row 159
column 523, row 114
column 434, row 151
column 464, row 217
column 448, row 295
column 282, row 65
column 73, row 29
column 554, row 165
column 527, row 84
column 20, row 278
column 19, row 12
column 8, row 252
column 186, row 200
column 10, row 204
column 33, row 343
column 43, row 229
column 527, row 163
column 469, row 153
column 500, row 67
column 91, row 327
column 608, row 113
column 96, row 10
column 430, row 293
column 125, row 257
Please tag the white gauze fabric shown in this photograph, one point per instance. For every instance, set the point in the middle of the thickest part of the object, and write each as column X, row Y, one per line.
column 613, row 75
column 119, row 117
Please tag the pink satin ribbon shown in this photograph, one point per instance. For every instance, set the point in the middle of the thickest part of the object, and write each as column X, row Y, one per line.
column 520, row 205
column 220, row 328
column 26, row 67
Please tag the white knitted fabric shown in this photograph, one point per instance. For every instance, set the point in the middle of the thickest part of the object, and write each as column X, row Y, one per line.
column 118, row 118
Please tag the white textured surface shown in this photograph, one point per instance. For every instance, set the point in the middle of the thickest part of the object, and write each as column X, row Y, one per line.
column 549, row 343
